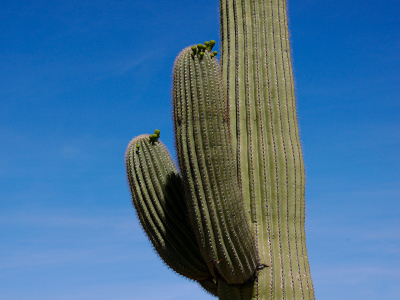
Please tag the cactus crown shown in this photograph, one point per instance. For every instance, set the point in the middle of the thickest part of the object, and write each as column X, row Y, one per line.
column 154, row 137
column 202, row 49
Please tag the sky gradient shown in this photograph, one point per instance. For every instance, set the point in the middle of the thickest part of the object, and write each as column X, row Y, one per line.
column 80, row 79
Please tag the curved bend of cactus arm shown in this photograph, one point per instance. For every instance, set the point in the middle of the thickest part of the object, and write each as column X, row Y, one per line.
column 210, row 286
column 208, row 167
column 158, row 197
column 244, row 291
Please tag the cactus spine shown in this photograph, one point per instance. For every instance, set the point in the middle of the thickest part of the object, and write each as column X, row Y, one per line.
column 241, row 164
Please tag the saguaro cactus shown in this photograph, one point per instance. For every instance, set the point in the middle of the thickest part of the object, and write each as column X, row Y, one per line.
column 233, row 220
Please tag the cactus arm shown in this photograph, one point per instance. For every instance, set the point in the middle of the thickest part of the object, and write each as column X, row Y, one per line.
column 157, row 195
column 208, row 168
column 257, row 71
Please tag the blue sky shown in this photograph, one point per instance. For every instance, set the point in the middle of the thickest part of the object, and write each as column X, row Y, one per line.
column 79, row 79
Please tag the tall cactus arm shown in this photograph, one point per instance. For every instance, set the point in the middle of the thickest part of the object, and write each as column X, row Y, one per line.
column 158, row 197
column 208, row 166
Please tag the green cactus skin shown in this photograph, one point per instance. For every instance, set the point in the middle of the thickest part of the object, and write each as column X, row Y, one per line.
column 258, row 74
column 208, row 168
column 250, row 235
column 157, row 194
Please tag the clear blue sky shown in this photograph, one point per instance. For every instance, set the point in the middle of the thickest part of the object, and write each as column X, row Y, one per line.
column 79, row 79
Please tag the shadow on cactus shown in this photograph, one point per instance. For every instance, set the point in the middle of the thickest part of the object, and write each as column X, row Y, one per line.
column 233, row 218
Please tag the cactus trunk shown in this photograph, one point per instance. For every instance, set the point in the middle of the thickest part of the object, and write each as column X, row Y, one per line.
column 258, row 75
column 242, row 213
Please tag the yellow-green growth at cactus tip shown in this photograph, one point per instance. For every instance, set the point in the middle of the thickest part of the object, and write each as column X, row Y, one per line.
column 233, row 217
column 154, row 137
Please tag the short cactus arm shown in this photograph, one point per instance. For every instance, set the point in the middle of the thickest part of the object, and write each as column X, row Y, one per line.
column 157, row 194
column 208, row 167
